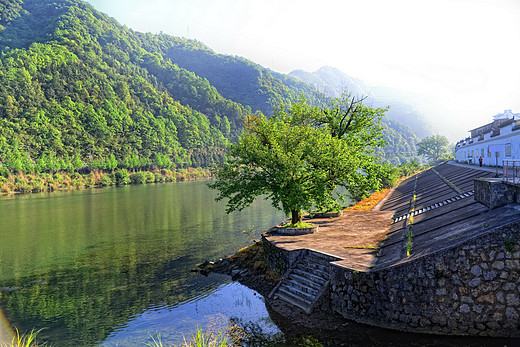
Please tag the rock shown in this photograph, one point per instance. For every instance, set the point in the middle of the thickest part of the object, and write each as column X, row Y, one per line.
column 508, row 287
column 476, row 270
column 498, row 265
column 464, row 308
column 512, row 300
column 511, row 313
column 490, row 275
column 474, row 282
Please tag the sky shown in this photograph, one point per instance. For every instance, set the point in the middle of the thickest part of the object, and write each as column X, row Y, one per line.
column 461, row 56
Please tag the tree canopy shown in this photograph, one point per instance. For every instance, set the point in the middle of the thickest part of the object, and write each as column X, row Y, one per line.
column 300, row 155
column 434, row 148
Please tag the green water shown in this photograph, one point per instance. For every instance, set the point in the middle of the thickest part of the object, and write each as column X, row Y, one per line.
column 93, row 266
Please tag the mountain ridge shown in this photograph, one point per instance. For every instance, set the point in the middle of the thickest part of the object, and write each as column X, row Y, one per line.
column 75, row 82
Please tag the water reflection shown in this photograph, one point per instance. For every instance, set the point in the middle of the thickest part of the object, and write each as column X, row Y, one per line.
column 224, row 309
column 81, row 264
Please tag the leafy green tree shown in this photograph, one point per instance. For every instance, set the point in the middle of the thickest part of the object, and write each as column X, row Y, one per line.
column 77, row 163
column 434, row 148
column 296, row 158
column 111, row 162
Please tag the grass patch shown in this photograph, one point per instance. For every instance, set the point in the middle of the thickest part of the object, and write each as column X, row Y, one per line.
column 299, row 225
column 199, row 339
column 23, row 340
column 362, row 247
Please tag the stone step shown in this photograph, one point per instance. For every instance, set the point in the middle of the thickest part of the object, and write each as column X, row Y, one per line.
column 314, row 263
column 311, row 276
column 305, row 281
column 294, row 300
column 292, row 282
column 291, row 288
column 312, row 270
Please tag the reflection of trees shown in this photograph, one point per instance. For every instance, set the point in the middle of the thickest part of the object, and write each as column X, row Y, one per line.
column 79, row 306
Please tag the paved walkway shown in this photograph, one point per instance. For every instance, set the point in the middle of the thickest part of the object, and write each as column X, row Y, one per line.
column 483, row 168
column 436, row 207
column 351, row 237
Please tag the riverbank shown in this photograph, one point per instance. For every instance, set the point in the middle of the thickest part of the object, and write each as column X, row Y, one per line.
column 48, row 182
column 249, row 267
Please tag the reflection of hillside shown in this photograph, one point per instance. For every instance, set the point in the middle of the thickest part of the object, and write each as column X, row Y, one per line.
column 88, row 261
column 79, row 306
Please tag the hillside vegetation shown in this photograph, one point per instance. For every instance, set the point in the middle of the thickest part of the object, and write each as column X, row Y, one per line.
column 78, row 87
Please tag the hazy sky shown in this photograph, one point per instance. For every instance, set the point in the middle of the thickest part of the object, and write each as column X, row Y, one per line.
column 463, row 54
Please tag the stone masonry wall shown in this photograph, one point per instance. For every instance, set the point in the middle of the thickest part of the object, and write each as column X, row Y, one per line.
column 471, row 289
column 278, row 259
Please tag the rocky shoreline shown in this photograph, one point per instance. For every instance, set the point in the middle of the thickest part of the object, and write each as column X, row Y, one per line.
column 323, row 326
column 248, row 268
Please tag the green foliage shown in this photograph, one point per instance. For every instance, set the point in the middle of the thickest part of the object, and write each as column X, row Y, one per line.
column 107, row 180
column 260, row 88
column 434, row 148
column 138, row 177
column 75, row 84
column 299, row 156
column 122, row 177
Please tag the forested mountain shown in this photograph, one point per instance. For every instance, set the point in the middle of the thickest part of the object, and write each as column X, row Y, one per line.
column 236, row 78
column 400, row 119
column 73, row 82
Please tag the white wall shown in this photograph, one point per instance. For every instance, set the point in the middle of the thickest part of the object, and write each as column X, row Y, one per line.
column 507, row 136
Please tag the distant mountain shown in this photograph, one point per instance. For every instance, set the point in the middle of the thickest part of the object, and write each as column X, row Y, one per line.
column 402, row 123
column 235, row 78
column 334, row 82
column 74, row 82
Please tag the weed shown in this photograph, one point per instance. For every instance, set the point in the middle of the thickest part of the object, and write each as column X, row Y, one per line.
column 440, row 274
column 362, row 247
column 358, row 275
column 199, row 339
column 250, row 232
column 23, row 340
column 410, row 280
column 510, row 244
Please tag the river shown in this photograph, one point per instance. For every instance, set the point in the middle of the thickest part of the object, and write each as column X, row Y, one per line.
column 111, row 267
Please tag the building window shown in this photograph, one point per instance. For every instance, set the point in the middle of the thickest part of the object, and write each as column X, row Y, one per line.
column 508, row 149
column 482, row 152
column 489, row 153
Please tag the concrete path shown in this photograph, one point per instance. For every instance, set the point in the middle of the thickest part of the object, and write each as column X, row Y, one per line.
column 475, row 166
column 434, row 209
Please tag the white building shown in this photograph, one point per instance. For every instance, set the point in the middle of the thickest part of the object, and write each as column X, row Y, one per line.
column 494, row 142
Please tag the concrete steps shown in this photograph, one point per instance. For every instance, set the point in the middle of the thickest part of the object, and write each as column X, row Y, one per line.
column 303, row 284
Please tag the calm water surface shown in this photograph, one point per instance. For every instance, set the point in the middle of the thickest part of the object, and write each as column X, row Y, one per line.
column 111, row 267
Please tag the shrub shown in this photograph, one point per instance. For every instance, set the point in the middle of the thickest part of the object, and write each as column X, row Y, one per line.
column 106, row 180
column 150, row 177
column 138, row 177
column 122, row 177
column 159, row 177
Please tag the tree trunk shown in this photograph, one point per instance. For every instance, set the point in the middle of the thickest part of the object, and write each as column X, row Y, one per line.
column 296, row 217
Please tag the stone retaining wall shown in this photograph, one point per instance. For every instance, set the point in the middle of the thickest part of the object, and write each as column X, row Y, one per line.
column 470, row 289
column 278, row 259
